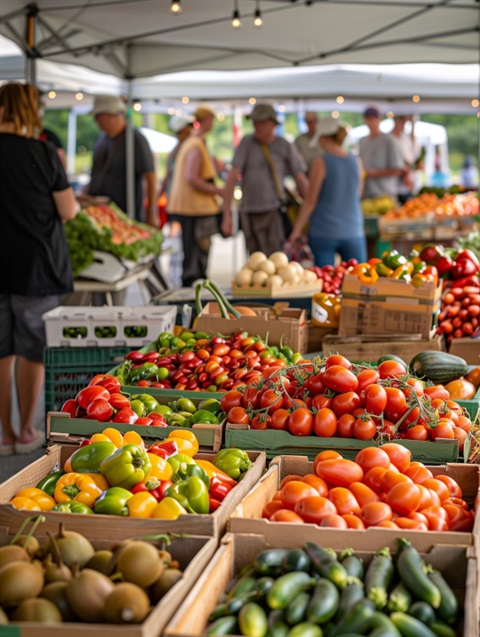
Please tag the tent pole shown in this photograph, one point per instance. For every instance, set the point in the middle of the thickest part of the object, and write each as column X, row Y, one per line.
column 30, row 63
column 129, row 150
column 71, row 141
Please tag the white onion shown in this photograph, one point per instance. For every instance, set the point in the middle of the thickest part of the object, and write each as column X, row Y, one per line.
column 260, row 277
column 244, row 277
column 288, row 273
column 255, row 259
column 267, row 266
column 279, row 259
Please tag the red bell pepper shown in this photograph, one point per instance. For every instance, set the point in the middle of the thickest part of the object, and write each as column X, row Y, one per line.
column 465, row 264
column 467, row 281
column 213, row 504
column 219, row 489
column 70, row 406
column 444, row 264
column 153, row 486
column 164, row 449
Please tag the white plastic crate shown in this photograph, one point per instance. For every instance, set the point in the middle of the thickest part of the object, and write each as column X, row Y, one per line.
column 70, row 326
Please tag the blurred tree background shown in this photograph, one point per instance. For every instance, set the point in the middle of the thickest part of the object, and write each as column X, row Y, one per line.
column 463, row 134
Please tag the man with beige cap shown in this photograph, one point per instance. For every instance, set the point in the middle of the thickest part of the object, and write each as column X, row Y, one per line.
column 108, row 176
column 263, row 160
column 307, row 143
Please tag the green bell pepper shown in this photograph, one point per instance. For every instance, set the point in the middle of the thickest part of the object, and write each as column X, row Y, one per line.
column 88, row 459
column 73, row 507
column 113, row 501
column 150, row 402
column 192, row 494
column 138, row 407
column 128, row 466
column 211, row 404
column 179, row 460
column 185, row 404
column 164, row 340
column 179, row 420
column 49, row 482
column 186, row 471
column 204, row 416
column 234, row 462
column 392, row 259
column 144, row 372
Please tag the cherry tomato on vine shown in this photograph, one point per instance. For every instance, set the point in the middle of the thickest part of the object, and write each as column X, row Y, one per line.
column 320, row 401
column 345, row 425
column 346, row 403
column 261, row 421
column 366, row 378
column 280, row 419
column 364, row 428
column 340, row 379
column 272, row 400
column 391, row 369
column 231, row 399
column 376, row 399
column 238, row 416
column 337, row 359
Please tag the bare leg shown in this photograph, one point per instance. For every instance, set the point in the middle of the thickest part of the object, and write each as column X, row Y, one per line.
column 6, row 381
column 29, row 380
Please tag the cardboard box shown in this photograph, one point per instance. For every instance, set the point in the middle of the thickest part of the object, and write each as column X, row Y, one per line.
column 193, row 554
column 283, row 443
column 70, row 326
column 466, row 348
column 277, row 291
column 247, row 516
column 368, row 349
column 388, row 306
column 316, row 337
column 458, row 565
column 112, row 527
column 287, row 326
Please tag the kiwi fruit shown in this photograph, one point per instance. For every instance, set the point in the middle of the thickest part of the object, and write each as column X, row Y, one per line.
column 101, row 561
column 86, row 594
column 37, row 610
column 13, row 553
column 73, row 547
column 19, row 581
column 165, row 582
column 126, row 604
column 139, row 563
column 56, row 592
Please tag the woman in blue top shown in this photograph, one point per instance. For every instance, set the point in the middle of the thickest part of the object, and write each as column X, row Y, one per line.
column 332, row 205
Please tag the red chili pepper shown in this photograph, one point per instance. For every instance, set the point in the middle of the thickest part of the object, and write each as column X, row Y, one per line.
column 164, row 485
column 141, row 486
column 213, row 505
column 164, row 449
column 134, row 356
column 152, row 486
column 467, row 281
column 219, row 488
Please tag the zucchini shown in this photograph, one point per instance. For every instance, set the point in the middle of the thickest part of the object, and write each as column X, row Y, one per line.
column 422, row 611
column 252, row 620
column 380, row 620
column 287, row 587
column 305, row 630
column 383, row 631
column 297, row 609
column 351, row 594
column 357, row 620
column 352, row 563
column 245, row 584
column 223, row 626
column 399, row 599
column 276, row 623
column 392, row 357
column 410, row 567
column 296, row 560
column 442, row 630
column 326, row 564
column 410, row 626
column 439, row 367
column 268, row 562
column 324, row 602
column 378, row 577
column 448, row 609
column 264, row 584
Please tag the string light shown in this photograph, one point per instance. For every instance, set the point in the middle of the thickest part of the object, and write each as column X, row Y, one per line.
column 52, row 95
column 390, row 114
column 416, row 99
column 236, row 16
column 185, row 100
column 175, row 7
column 257, row 16
column 137, row 107
column 475, row 103
column 340, row 99
column 79, row 96
column 171, row 110
column 282, row 108
column 335, row 114
column 252, row 100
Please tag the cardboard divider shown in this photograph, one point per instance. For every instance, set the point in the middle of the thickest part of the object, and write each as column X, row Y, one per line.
column 247, row 516
column 193, row 554
column 458, row 564
column 369, row 348
column 112, row 527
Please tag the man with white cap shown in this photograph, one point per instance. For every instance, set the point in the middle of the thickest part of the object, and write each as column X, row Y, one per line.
column 108, row 177
column 307, row 143
column 263, row 160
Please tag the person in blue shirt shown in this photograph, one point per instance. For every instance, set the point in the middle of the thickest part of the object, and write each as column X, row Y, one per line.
column 332, row 203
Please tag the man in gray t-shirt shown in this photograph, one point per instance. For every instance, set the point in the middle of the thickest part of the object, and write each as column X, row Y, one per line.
column 263, row 160
column 382, row 161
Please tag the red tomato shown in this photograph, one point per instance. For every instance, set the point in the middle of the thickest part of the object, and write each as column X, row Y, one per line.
column 437, row 391
column 231, row 399
column 417, row 432
column 458, row 519
column 346, row 403
column 443, row 430
column 411, row 524
column 363, row 494
column 315, row 384
column 344, row 501
column 287, row 479
column 404, row 498
column 251, row 398
column 270, row 508
column 314, row 508
column 373, row 479
column 345, row 425
column 238, row 415
column 452, row 485
column 354, row 522
column 126, row 416
column 372, row 457
column 364, row 428
column 391, row 369
column 334, row 521
column 391, row 477
column 374, row 513
column 418, row 472
column 317, row 483
column 300, row 422
column 285, row 515
column 366, row 378
column 261, row 421
column 272, row 400
column 399, row 455
column 337, row 359
column 295, row 491
column 325, row 423
column 340, row 379
column 440, row 488
column 88, row 394
column 396, row 403
column 339, row 472
column 325, row 455
column 320, row 401
column 107, row 381
column 375, row 399
column 280, row 419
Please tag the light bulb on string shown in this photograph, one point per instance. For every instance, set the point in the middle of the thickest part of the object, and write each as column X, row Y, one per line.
column 236, row 16
column 175, row 7
column 257, row 16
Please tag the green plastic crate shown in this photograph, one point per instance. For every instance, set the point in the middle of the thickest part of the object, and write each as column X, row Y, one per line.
column 68, row 370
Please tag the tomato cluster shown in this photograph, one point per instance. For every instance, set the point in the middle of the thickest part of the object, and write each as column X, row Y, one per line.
column 332, row 275
column 209, row 364
column 338, row 398
column 460, row 313
column 382, row 487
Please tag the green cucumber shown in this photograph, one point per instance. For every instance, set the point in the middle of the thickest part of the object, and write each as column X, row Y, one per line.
column 297, row 609
column 351, row 594
column 287, row 587
column 245, row 584
column 326, row 564
column 448, row 609
column 264, row 584
column 270, row 561
column 422, row 611
column 441, row 629
column 383, row 631
column 380, row 620
column 252, row 620
column 323, row 603
column 223, row 626
column 277, row 625
column 411, row 626
column 305, row 630
column 378, row 577
column 356, row 620
column 410, row 567
column 439, row 367
column 399, row 599
column 296, row 560
column 352, row 563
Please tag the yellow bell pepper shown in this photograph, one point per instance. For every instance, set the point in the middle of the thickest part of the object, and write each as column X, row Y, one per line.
column 141, row 505
column 114, row 435
column 168, row 509
column 100, row 438
column 211, row 470
column 42, row 499
column 160, row 468
column 185, row 434
column 184, row 446
column 80, row 487
column 24, row 504
column 99, row 479
column 134, row 438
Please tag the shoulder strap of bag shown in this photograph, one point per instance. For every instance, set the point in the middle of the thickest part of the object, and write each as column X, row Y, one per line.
column 271, row 165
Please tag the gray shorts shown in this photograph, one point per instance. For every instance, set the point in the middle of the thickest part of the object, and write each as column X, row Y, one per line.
column 22, row 330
